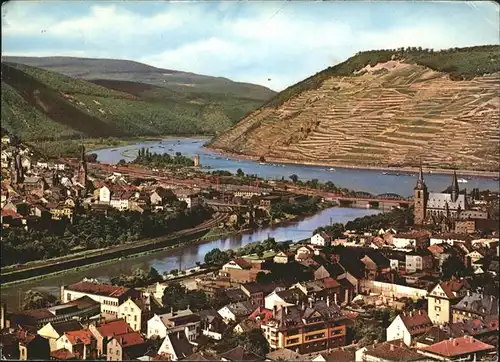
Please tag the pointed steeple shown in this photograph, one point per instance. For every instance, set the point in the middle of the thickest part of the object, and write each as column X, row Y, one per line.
column 421, row 175
column 455, row 190
column 420, row 181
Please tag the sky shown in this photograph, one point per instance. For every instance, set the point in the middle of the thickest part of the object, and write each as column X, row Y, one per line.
column 272, row 43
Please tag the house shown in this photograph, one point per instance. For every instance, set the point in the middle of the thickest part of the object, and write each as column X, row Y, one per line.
column 284, row 257
column 418, row 260
column 176, row 346
column 120, row 200
column 81, row 343
column 337, row 355
column 376, row 265
column 127, row 346
column 408, row 326
column 397, row 260
column 161, row 196
column 255, row 320
column 191, row 200
column 315, row 326
column 237, row 311
column 136, row 312
column 104, row 195
column 239, row 354
column 442, row 297
column 388, row 352
column 285, row 354
column 484, row 329
column 303, row 252
column 103, row 332
column 326, row 288
column 83, row 308
column 185, row 321
column 440, row 252
column 284, row 298
column 463, row 348
column 33, row 347
column 211, row 324
column 474, row 256
column 240, row 270
column 473, row 306
column 62, row 355
column 321, row 240
column 109, row 296
column 53, row 331
column 256, row 292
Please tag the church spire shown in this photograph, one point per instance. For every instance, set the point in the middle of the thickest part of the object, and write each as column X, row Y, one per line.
column 420, row 181
column 455, row 190
column 421, row 175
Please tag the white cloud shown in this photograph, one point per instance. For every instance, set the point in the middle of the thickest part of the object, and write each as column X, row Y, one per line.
column 46, row 53
column 244, row 42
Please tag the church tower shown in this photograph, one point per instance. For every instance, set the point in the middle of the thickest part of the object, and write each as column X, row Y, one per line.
column 82, row 171
column 420, row 195
column 455, row 190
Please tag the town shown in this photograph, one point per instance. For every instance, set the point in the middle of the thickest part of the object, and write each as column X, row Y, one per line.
column 417, row 282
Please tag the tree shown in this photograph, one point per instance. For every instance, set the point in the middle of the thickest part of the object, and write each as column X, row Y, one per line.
column 294, row 178
column 240, row 173
column 452, row 266
column 254, row 341
column 154, row 276
column 121, row 162
column 176, row 296
column 216, row 257
column 220, row 298
column 36, row 300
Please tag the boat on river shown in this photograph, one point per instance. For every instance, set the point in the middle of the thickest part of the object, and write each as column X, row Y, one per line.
column 462, row 181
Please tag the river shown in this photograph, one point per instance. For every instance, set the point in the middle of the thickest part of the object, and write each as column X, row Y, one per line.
column 185, row 257
column 372, row 181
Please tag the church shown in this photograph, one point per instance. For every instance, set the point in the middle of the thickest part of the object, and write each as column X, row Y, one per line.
column 434, row 207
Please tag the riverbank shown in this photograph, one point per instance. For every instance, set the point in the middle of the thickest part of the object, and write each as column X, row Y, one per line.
column 441, row 171
column 88, row 258
column 91, row 145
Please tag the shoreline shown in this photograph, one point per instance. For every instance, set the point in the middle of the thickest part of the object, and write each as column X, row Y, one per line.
column 439, row 171
column 197, row 241
column 134, row 140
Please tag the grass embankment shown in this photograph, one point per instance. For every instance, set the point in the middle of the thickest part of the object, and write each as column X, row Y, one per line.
column 109, row 261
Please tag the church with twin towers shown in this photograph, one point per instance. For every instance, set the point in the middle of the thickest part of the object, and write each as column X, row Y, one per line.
column 438, row 207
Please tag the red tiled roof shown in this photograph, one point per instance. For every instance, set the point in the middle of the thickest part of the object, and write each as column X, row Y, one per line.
column 62, row 354
column 84, row 336
column 98, row 289
column 242, row 263
column 263, row 313
column 129, row 339
column 393, row 351
column 417, row 322
column 455, row 347
column 10, row 212
column 453, row 286
column 112, row 328
column 329, row 282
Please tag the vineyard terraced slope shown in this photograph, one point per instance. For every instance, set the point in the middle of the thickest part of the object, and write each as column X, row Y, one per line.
column 383, row 108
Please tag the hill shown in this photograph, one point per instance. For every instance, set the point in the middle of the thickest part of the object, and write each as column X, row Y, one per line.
column 127, row 70
column 38, row 104
column 383, row 108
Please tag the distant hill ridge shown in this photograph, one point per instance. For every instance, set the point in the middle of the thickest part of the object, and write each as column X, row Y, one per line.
column 128, row 70
column 383, row 108
column 39, row 104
